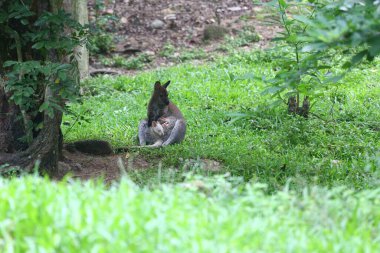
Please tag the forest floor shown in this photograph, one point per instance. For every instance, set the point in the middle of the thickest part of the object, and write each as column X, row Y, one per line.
column 151, row 34
column 146, row 35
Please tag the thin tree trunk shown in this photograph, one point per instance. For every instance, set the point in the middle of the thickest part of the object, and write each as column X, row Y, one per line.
column 78, row 8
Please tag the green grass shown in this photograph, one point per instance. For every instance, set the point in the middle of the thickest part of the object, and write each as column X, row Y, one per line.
column 37, row 215
column 339, row 146
column 167, row 51
column 244, row 37
column 182, row 55
column 134, row 62
column 321, row 175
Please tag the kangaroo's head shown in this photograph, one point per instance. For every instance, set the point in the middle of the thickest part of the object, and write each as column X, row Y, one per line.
column 160, row 93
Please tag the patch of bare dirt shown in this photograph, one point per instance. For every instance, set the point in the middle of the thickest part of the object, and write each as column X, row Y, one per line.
column 85, row 166
column 147, row 26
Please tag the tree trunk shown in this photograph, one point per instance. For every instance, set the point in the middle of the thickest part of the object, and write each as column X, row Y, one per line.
column 78, row 8
column 44, row 150
column 294, row 108
column 46, row 145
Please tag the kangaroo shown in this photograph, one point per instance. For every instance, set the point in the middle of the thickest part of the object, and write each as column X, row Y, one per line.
column 161, row 110
column 158, row 103
column 155, row 135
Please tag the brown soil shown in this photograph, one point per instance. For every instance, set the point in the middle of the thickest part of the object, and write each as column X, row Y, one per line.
column 181, row 24
column 85, row 166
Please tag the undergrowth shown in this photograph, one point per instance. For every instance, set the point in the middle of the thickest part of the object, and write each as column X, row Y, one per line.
column 199, row 215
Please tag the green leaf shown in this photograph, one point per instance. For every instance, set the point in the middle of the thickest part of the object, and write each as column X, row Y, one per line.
column 50, row 112
column 43, row 107
column 357, row 58
column 3, row 16
column 278, row 39
column 292, row 38
column 39, row 126
column 282, row 3
column 374, row 48
column 24, row 21
column 9, row 63
column 334, row 79
column 38, row 45
column 304, row 20
column 272, row 90
column 276, row 103
column 347, row 65
column 62, row 75
column 313, row 47
column 324, row 67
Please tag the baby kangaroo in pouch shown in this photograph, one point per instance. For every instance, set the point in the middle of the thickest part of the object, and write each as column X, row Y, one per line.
column 159, row 132
column 165, row 124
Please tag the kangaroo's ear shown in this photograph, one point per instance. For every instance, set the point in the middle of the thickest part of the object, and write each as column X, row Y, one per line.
column 166, row 84
column 154, row 123
column 157, row 85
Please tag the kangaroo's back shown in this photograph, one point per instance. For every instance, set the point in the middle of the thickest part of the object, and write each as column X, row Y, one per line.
column 173, row 111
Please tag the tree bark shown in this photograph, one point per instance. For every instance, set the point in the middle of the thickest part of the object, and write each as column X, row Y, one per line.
column 294, row 108
column 46, row 146
column 44, row 150
column 78, row 8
